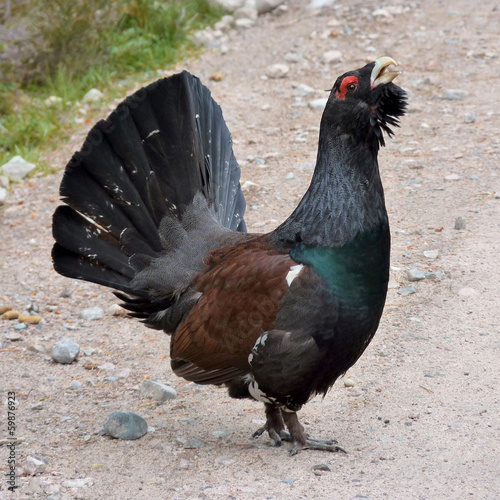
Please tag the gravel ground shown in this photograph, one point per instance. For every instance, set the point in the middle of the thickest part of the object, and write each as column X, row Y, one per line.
column 419, row 413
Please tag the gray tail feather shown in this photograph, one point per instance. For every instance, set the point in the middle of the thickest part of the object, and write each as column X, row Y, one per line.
column 146, row 161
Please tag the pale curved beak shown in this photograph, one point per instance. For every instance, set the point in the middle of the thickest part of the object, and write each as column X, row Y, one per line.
column 379, row 72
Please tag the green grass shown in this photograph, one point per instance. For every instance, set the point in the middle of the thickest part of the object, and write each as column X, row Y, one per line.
column 72, row 46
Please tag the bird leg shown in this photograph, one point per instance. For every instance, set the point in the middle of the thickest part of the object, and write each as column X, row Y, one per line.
column 300, row 440
column 274, row 426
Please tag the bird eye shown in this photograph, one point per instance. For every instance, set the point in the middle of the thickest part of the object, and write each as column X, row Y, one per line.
column 351, row 87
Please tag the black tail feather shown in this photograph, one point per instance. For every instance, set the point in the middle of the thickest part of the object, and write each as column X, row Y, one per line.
column 137, row 169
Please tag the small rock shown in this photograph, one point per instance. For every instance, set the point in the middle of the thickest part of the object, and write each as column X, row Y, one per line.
column 408, row 290
column 277, row 70
column 21, row 326
column 332, row 56
column 455, row 95
column 112, row 379
column 66, row 351
column 34, row 466
column 452, row 177
column 53, row 100
column 288, row 481
column 93, row 95
column 348, row 382
column 13, row 336
column 294, row 57
column 224, row 460
column 75, row 385
column 318, row 103
column 264, row 6
column 157, row 391
column 220, row 433
column 459, row 223
column 244, row 23
column 431, row 254
column 3, row 195
column 78, row 483
column 322, row 466
column 434, row 275
column 230, row 5
column 246, row 13
column 92, row 313
column 125, row 425
column 107, row 366
column 470, row 118
column 415, row 275
column 192, row 444
column 289, row 176
column 17, row 168
column 36, row 406
column 303, row 90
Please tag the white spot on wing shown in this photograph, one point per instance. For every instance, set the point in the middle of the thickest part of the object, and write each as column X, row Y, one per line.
column 293, row 273
column 153, row 132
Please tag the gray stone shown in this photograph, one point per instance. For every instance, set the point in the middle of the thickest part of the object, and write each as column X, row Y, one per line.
column 13, row 336
column 303, row 90
column 277, row 70
column 78, row 483
column 415, row 275
column 125, row 425
column 92, row 313
column 244, row 23
column 294, row 57
column 75, row 385
column 21, row 326
column 192, row 444
column 34, row 466
column 459, row 223
column 246, row 13
column 318, row 103
column 17, row 168
column 289, row 176
column 157, row 391
column 322, row 466
column 470, row 118
column 66, row 351
column 455, row 95
column 332, row 56
column 3, row 195
column 408, row 290
column 220, row 433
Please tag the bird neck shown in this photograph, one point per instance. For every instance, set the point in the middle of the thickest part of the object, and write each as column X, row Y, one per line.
column 345, row 197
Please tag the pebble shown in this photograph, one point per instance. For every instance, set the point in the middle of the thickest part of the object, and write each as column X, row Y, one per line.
column 13, row 336
column 192, row 444
column 21, row 326
column 415, row 275
column 452, row 177
column 431, row 254
column 264, row 6
column 78, row 483
column 17, row 168
column 407, row 290
column 92, row 313
column 459, row 223
column 246, row 13
column 34, row 466
column 3, row 195
column 93, row 95
column 125, row 425
column 332, row 56
column 303, row 90
column 277, row 70
column 322, row 466
column 66, row 351
column 220, row 433
column 75, row 385
column 289, row 176
column 348, row 382
column 112, row 379
column 294, row 57
column 434, row 275
column 470, row 118
column 244, row 23
column 318, row 103
column 455, row 95
column 224, row 460
column 157, row 391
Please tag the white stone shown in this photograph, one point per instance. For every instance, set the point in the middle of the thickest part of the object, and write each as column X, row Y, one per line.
column 431, row 254
column 92, row 313
column 244, row 23
column 303, row 90
column 3, row 195
column 348, row 382
column 158, row 391
column 53, row 100
column 229, row 5
column 277, row 70
column 453, row 177
column 34, row 466
column 93, row 95
column 17, row 168
column 78, row 483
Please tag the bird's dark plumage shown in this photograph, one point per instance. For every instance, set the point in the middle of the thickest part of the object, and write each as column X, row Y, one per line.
column 154, row 210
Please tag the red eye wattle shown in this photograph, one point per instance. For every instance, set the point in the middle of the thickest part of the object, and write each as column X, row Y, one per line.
column 349, row 84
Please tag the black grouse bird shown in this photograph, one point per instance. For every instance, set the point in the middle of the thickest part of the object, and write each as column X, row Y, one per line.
column 154, row 210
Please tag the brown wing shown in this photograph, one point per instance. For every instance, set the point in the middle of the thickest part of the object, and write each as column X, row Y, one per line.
column 241, row 290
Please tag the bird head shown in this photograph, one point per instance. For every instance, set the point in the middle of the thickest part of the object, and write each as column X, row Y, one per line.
column 363, row 103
